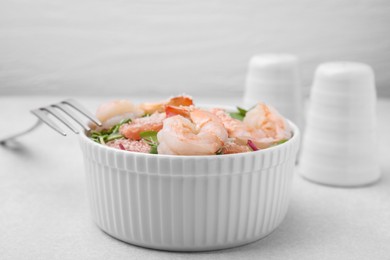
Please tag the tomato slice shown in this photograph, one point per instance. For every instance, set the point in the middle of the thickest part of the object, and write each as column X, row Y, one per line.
column 180, row 101
column 175, row 110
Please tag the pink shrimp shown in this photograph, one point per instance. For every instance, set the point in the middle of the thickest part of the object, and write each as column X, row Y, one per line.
column 236, row 128
column 133, row 129
column 233, row 147
column 111, row 113
column 204, row 134
column 266, row 125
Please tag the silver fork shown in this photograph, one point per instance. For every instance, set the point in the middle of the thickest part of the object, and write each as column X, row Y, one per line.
column 69, row 107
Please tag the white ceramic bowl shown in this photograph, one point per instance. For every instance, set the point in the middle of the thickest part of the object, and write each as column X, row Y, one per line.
column 189, row 203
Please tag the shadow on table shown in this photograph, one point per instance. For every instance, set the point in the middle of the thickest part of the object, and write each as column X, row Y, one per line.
column 17, row 148
column 288, row 235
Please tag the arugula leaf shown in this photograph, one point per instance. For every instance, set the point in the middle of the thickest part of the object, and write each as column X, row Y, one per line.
column 113, row 136
column 242, row 111
column 153, row 149
column 107, row 135
column 281, row 141
column 115, row 128
column 101, row 139
column 240, row 114
column 237, row 116
column 125, row 121
column 150, row 137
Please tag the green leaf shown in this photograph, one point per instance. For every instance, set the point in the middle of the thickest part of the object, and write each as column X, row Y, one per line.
column 237, row 116
column 279, row 142
column 94, row 133
column 153, row 149
column 113, row 136
column 107, row 135
column 242, row 111
column 149, row 136
column 124, row 121
column 105, row 131
column 115, row 128
column 95, row 139
column 240, row 114
column 282, row 141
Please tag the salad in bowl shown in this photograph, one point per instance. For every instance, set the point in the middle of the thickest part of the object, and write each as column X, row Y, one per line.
column 178, row 127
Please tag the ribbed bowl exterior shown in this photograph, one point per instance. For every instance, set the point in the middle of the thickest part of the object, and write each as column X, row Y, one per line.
column 189, row 203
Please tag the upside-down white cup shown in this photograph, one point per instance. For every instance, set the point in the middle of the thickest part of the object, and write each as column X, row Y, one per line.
column 339, row 146
column 275, row 79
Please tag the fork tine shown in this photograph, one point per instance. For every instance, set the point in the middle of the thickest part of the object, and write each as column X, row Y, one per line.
column 84, row 111
column 70, row 113
column 53, row 109
column 42, row 116
column 60, row 117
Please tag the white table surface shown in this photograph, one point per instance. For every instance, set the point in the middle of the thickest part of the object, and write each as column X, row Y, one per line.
column 44, row 212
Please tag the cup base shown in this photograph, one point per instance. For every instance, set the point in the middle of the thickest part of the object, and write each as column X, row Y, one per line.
column 340, row 184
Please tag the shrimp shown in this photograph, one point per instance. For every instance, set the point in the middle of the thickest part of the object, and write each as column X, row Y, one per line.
column 202, row 134
column 111, row 113
column 233, row 147
column 150, row 108
column 236, row 128
column 266, row 125
column 133, row 129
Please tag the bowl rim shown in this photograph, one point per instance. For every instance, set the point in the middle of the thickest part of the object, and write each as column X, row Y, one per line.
column 293, row 139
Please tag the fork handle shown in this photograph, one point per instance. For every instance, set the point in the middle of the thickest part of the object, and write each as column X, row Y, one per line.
column 3, row 141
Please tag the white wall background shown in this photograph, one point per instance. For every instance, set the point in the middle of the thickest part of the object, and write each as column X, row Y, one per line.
column 99, row 47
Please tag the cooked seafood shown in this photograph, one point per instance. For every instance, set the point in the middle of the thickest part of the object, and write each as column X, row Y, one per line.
column 177, row 127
